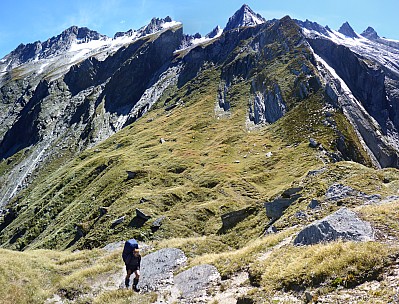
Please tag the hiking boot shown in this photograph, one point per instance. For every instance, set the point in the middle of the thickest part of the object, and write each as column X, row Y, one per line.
column 135, row 288
column 127, row 281
column 135, row 282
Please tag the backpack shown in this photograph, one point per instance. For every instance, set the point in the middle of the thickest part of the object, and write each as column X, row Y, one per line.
column 130, row 245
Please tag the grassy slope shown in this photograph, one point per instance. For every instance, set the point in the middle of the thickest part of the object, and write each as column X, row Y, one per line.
column 206, row 167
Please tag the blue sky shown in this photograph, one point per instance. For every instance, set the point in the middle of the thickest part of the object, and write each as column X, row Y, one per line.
column 25, row 21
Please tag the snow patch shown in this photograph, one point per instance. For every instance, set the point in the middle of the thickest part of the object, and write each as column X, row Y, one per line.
column 167, row 25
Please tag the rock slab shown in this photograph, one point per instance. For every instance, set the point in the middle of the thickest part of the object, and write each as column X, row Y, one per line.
column 157, row 268
column 194, row 282
column 343, row 224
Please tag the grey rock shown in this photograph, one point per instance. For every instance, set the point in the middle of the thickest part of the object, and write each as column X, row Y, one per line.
column 231, row 219
column 194, row 282
column 313, row 143
column 314, row 204
column 157, row 224
column 271, row 230
column 275, row 208
column 111, row 247
column 267, row 104
column 338, row 192
column 131, row 174
column 343, row 224
column 374, row 88
column 370, row 33
column 316, row 172
column 142, row 215
column 301, row 215
column 347, row 30
column 214, row 32
column 245, row 16
column 118, row 221
column 290, row 192
column 103, row 210
column 157, row 268
column 313, row 26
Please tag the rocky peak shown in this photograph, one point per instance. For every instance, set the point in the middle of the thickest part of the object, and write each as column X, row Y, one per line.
column 370, row 33
column 155, row 25
column 313, row 26
column 347, row 30
column 52, row 46
column 245, row 16
column 215, row 32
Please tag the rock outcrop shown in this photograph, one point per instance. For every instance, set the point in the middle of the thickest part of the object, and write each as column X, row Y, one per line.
column 194, row 282
column 157, row 268
column 343, row 224
column 275, row 208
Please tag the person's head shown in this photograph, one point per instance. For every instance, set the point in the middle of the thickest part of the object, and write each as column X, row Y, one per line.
column 136, row 252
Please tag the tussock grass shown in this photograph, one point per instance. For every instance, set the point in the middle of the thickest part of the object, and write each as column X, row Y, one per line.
column 33, row 276
column 195, row 246
column 384, row 216
column 231, row 261
column 338, row 263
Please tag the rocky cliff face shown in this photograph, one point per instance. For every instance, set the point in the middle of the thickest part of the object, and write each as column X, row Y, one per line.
column 363, row 72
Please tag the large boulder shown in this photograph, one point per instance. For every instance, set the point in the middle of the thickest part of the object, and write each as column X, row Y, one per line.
column 157, row 268
column 343, row 224
column 194, row 282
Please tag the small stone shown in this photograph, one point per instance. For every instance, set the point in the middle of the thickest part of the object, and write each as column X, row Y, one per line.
column 314, row 204
column 131, row 174
column 118, row 221
column 162, row 140
column 271, row 230
column 308, row 297
column 313, row 143
column 269, row 154
column 103, row 210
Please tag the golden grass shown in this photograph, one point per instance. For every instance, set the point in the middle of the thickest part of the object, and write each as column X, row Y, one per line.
column 33, row 276
column 338, row 263
column 230, row 261
column 385, row 216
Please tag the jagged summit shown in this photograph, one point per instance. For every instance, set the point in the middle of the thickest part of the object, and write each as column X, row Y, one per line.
column 155, row 25
column 245, row 16
column 313, row 26
column 370, row 33
column 347, row 30
column 215, row 32
column 53, row 46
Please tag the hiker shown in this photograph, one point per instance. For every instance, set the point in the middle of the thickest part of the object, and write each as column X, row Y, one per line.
column 132, row 258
